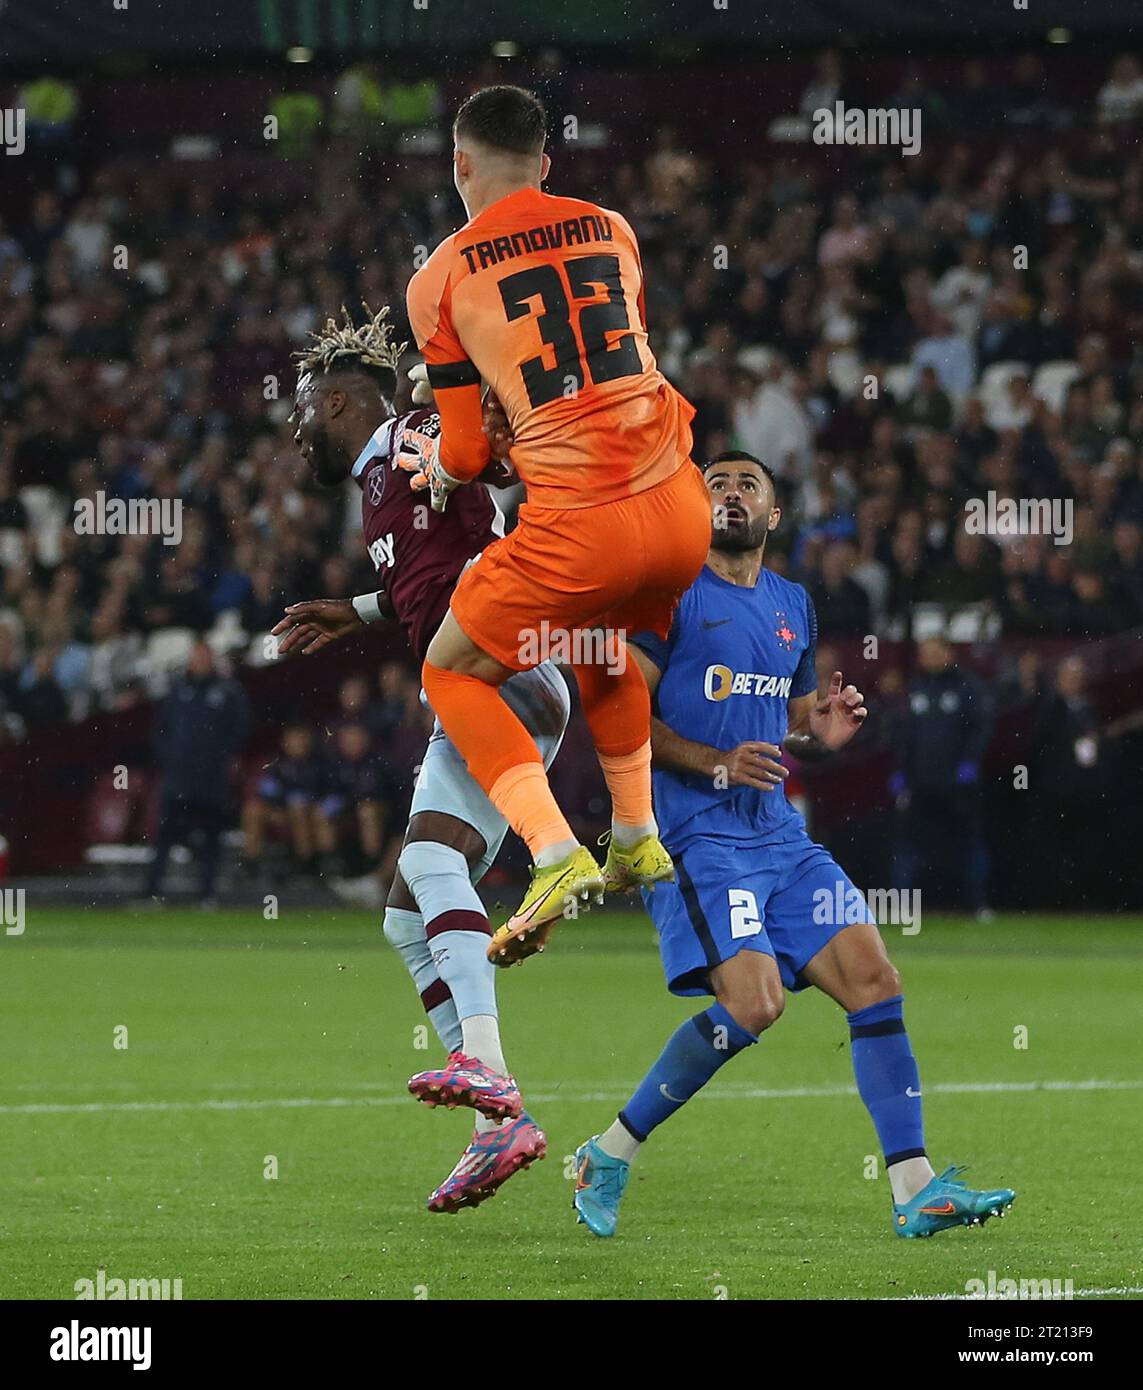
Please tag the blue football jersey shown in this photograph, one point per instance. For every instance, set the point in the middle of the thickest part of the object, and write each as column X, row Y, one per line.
column 732, row 660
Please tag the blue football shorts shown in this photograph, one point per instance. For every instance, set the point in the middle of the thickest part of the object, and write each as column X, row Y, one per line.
column 785, row 900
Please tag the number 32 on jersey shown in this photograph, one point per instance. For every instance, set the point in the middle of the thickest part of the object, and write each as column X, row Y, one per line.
column 609, row 350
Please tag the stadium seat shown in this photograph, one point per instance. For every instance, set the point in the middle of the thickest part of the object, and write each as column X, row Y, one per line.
column 257, row 653
column 994, row 383
column 756, row 359
column 952, row 358
column 47, row 514
column 898, row 381
column 1052, row 380
column 13, row 549
column 845, row 372
column 166, row 652
column 111, row 809
column 227, row 634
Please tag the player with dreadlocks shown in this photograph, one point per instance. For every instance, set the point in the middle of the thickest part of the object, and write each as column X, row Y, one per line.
column 345, row 426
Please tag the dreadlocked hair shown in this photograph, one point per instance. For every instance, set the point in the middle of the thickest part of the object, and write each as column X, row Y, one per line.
column 366, row 347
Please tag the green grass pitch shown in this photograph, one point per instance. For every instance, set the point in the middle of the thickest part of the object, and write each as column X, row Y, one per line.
column 293, row 1038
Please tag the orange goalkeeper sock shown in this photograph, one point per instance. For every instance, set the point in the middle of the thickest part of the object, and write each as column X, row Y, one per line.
column 628, row 780
column 617, row 707
column 524, row 799
column 500, row 753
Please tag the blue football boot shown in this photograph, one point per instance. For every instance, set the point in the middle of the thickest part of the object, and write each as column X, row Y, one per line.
column 599, row 1183
column 944, row 1202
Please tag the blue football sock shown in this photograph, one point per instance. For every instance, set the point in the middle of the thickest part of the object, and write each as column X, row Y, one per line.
column 887, row 1078
column 691, row 1057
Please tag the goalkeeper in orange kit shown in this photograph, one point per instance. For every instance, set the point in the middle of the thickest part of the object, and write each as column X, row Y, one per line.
column 542, row 298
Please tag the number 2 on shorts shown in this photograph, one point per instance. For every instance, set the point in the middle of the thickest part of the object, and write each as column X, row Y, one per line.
column 744, row 916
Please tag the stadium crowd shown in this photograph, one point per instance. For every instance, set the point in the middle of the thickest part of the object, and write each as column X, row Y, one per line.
column 895, row 336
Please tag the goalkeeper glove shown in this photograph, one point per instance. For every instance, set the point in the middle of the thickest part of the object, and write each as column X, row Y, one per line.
column 419, row 455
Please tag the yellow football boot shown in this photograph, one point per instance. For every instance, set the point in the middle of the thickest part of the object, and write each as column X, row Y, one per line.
column 561, row 890
column 640, row 865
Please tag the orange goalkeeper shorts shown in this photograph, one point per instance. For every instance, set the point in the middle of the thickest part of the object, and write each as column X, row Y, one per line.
column 622, row 565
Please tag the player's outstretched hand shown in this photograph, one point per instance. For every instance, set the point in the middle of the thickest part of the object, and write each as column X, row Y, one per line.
column 838, row 715
column 755, row 765
column 309, row 626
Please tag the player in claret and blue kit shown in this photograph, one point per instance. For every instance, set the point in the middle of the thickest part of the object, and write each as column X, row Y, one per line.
column 754, row 908
column 347, row 427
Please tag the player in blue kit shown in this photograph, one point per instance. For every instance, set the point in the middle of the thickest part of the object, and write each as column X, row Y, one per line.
column 753, row 911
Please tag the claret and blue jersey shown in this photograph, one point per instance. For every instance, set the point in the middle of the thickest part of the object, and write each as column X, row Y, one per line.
column 732, row 661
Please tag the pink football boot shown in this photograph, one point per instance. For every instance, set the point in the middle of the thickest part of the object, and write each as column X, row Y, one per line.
column 488, row 1163
column 466, row 1081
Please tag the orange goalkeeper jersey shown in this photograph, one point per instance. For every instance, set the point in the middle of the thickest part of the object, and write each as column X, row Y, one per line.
column 542, row 298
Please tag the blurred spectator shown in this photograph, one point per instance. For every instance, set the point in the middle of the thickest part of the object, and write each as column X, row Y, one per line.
column 11, row 723
column 115, row 655
column 285, row 799
column 1068, row 782
column 962, row 291
column 1127, row 539
column 197, row 729
column 825, row 86
column 929, row 407
column 1097, row 606
column 351, row 818
column 939, row 747
column 399, row 698
column 770, row 422
column 355, row 705
column 842, row 605
column 40, row 700
column 847, row 236
column 1120, row 99
column 170, row 379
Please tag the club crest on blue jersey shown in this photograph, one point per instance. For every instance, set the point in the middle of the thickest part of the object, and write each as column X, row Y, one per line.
column 784, row 632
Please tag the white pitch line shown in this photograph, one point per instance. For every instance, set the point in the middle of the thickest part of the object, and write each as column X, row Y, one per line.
column 544, row 1097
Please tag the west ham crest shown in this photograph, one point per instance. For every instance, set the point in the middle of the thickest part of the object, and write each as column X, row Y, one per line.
column 376, row 486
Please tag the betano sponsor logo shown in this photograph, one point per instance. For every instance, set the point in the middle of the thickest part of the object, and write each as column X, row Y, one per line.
column 720, row 682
